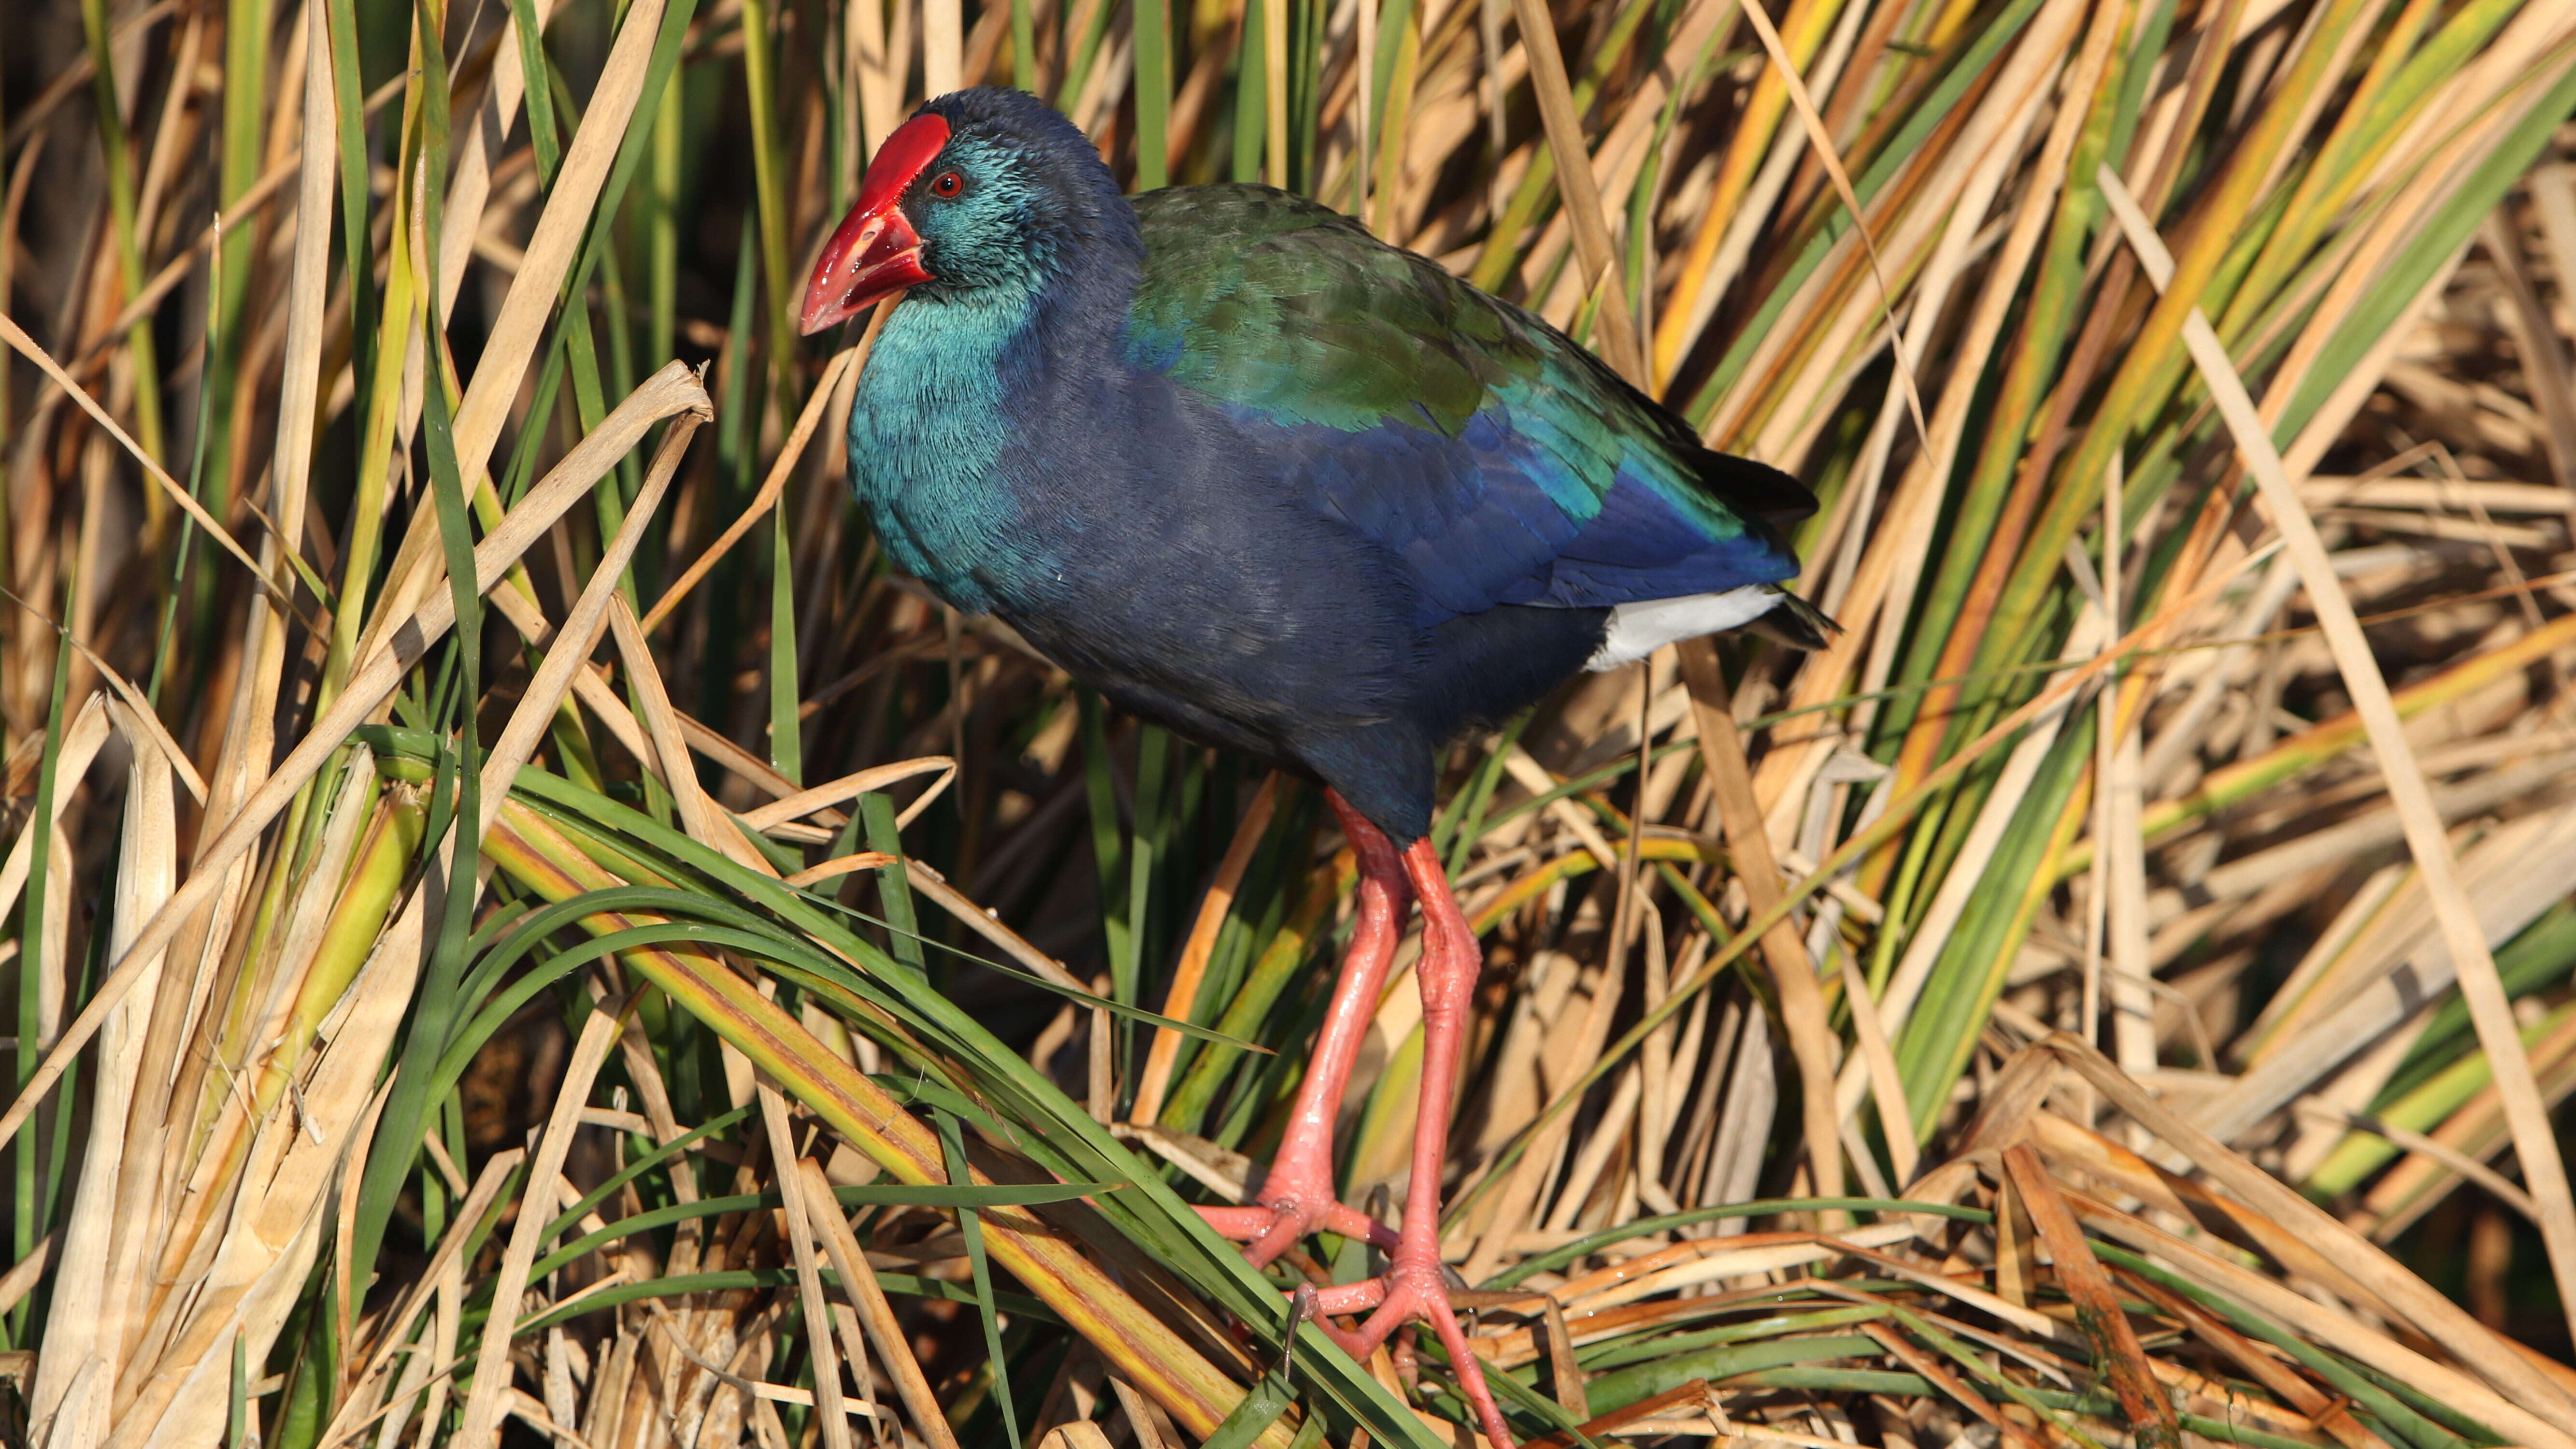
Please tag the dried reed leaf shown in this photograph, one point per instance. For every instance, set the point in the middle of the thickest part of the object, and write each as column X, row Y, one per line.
column 669, row 393
column 88, row 1326
column 483, row 1406
column 1616, row 338
column 16, row 336
column 2097, row 1304
column 2535, row 1141
column 534, row 291
column 1748, row 841
column 2548, row 1406
column 876, row 1314
column 844, row 363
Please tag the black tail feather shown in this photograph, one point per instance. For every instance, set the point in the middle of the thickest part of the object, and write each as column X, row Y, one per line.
column 1795, row 622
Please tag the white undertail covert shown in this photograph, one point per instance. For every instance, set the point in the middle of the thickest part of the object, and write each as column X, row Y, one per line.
column 1637, row 630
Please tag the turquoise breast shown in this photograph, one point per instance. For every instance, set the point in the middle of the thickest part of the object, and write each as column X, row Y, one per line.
column 926, row 443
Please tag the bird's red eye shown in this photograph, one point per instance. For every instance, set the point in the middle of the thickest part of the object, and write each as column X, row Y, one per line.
column 949, row 183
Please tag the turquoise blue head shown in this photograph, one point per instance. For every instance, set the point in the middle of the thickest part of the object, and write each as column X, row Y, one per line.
column 983, row 190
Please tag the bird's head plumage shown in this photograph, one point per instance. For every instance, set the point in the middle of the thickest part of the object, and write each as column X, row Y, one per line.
column 982, row 189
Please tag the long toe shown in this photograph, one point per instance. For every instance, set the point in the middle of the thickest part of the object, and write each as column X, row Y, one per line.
column 1284, row 1220
column 1267, row 1230
column 1469, row 1369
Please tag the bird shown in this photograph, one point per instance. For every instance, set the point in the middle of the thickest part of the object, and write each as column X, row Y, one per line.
column 1253, row 474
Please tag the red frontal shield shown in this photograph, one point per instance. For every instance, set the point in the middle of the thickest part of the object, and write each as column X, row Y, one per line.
column 875, row 251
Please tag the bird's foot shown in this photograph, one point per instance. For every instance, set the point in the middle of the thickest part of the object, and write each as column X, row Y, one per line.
column 1414, row 1289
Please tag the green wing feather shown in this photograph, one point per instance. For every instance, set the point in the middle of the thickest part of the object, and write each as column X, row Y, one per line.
column 1274, row 302
column 1555, row 481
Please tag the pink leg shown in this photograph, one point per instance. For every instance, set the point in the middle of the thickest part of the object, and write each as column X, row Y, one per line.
column 1412, row 1286
column 1297, row 1197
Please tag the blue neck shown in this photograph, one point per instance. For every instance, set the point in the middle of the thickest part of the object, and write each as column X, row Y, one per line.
column 952, row 381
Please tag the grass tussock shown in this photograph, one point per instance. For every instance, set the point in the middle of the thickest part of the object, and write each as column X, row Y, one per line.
column 517, row 923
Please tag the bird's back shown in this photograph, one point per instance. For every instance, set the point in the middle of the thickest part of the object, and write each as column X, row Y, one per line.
column 1501, row 460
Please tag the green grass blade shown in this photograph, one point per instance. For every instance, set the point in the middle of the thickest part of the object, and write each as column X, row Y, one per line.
column 27, row 1218
column 1153, row 86
column 786, row 695
column 952, row 1146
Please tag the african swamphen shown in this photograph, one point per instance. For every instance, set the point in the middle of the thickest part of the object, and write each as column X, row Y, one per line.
column 1252, row 473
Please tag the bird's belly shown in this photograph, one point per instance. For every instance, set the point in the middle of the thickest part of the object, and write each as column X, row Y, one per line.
column 1133, row 674
column 1214, row 617
column 1180, row 576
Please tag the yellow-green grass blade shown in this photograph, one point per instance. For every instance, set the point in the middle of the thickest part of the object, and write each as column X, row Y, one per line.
column 246, row 30
column 1071, row 1144
column 1977, row 50
column 1153, row 86
column 121, row 210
